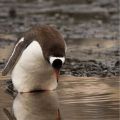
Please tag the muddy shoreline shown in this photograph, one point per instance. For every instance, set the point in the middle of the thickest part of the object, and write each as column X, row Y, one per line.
column 90, row 58
column 89, row 27
column 87, row 59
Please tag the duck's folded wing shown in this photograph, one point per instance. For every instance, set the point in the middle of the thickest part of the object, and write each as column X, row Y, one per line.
column 17, row 51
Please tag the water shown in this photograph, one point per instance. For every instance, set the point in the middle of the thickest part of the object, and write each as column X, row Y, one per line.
column 75, row 99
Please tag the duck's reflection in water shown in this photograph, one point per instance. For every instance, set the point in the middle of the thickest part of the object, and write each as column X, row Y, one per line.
column 36, row 106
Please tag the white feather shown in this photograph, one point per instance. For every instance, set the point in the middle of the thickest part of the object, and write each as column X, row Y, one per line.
column 21, row 40
column 54, row 58
column 32, row 71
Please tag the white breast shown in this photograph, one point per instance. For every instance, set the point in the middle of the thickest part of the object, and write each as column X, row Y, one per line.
column 32, row 72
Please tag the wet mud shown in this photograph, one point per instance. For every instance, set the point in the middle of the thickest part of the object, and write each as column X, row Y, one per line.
column 87, row 59
column 75, row 19
column 90, row 68
column 85, row 25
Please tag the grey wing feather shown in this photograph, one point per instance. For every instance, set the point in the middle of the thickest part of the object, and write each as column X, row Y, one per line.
column 20, row 46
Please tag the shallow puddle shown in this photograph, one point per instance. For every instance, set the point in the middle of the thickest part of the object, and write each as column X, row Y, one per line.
column 75, row 99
